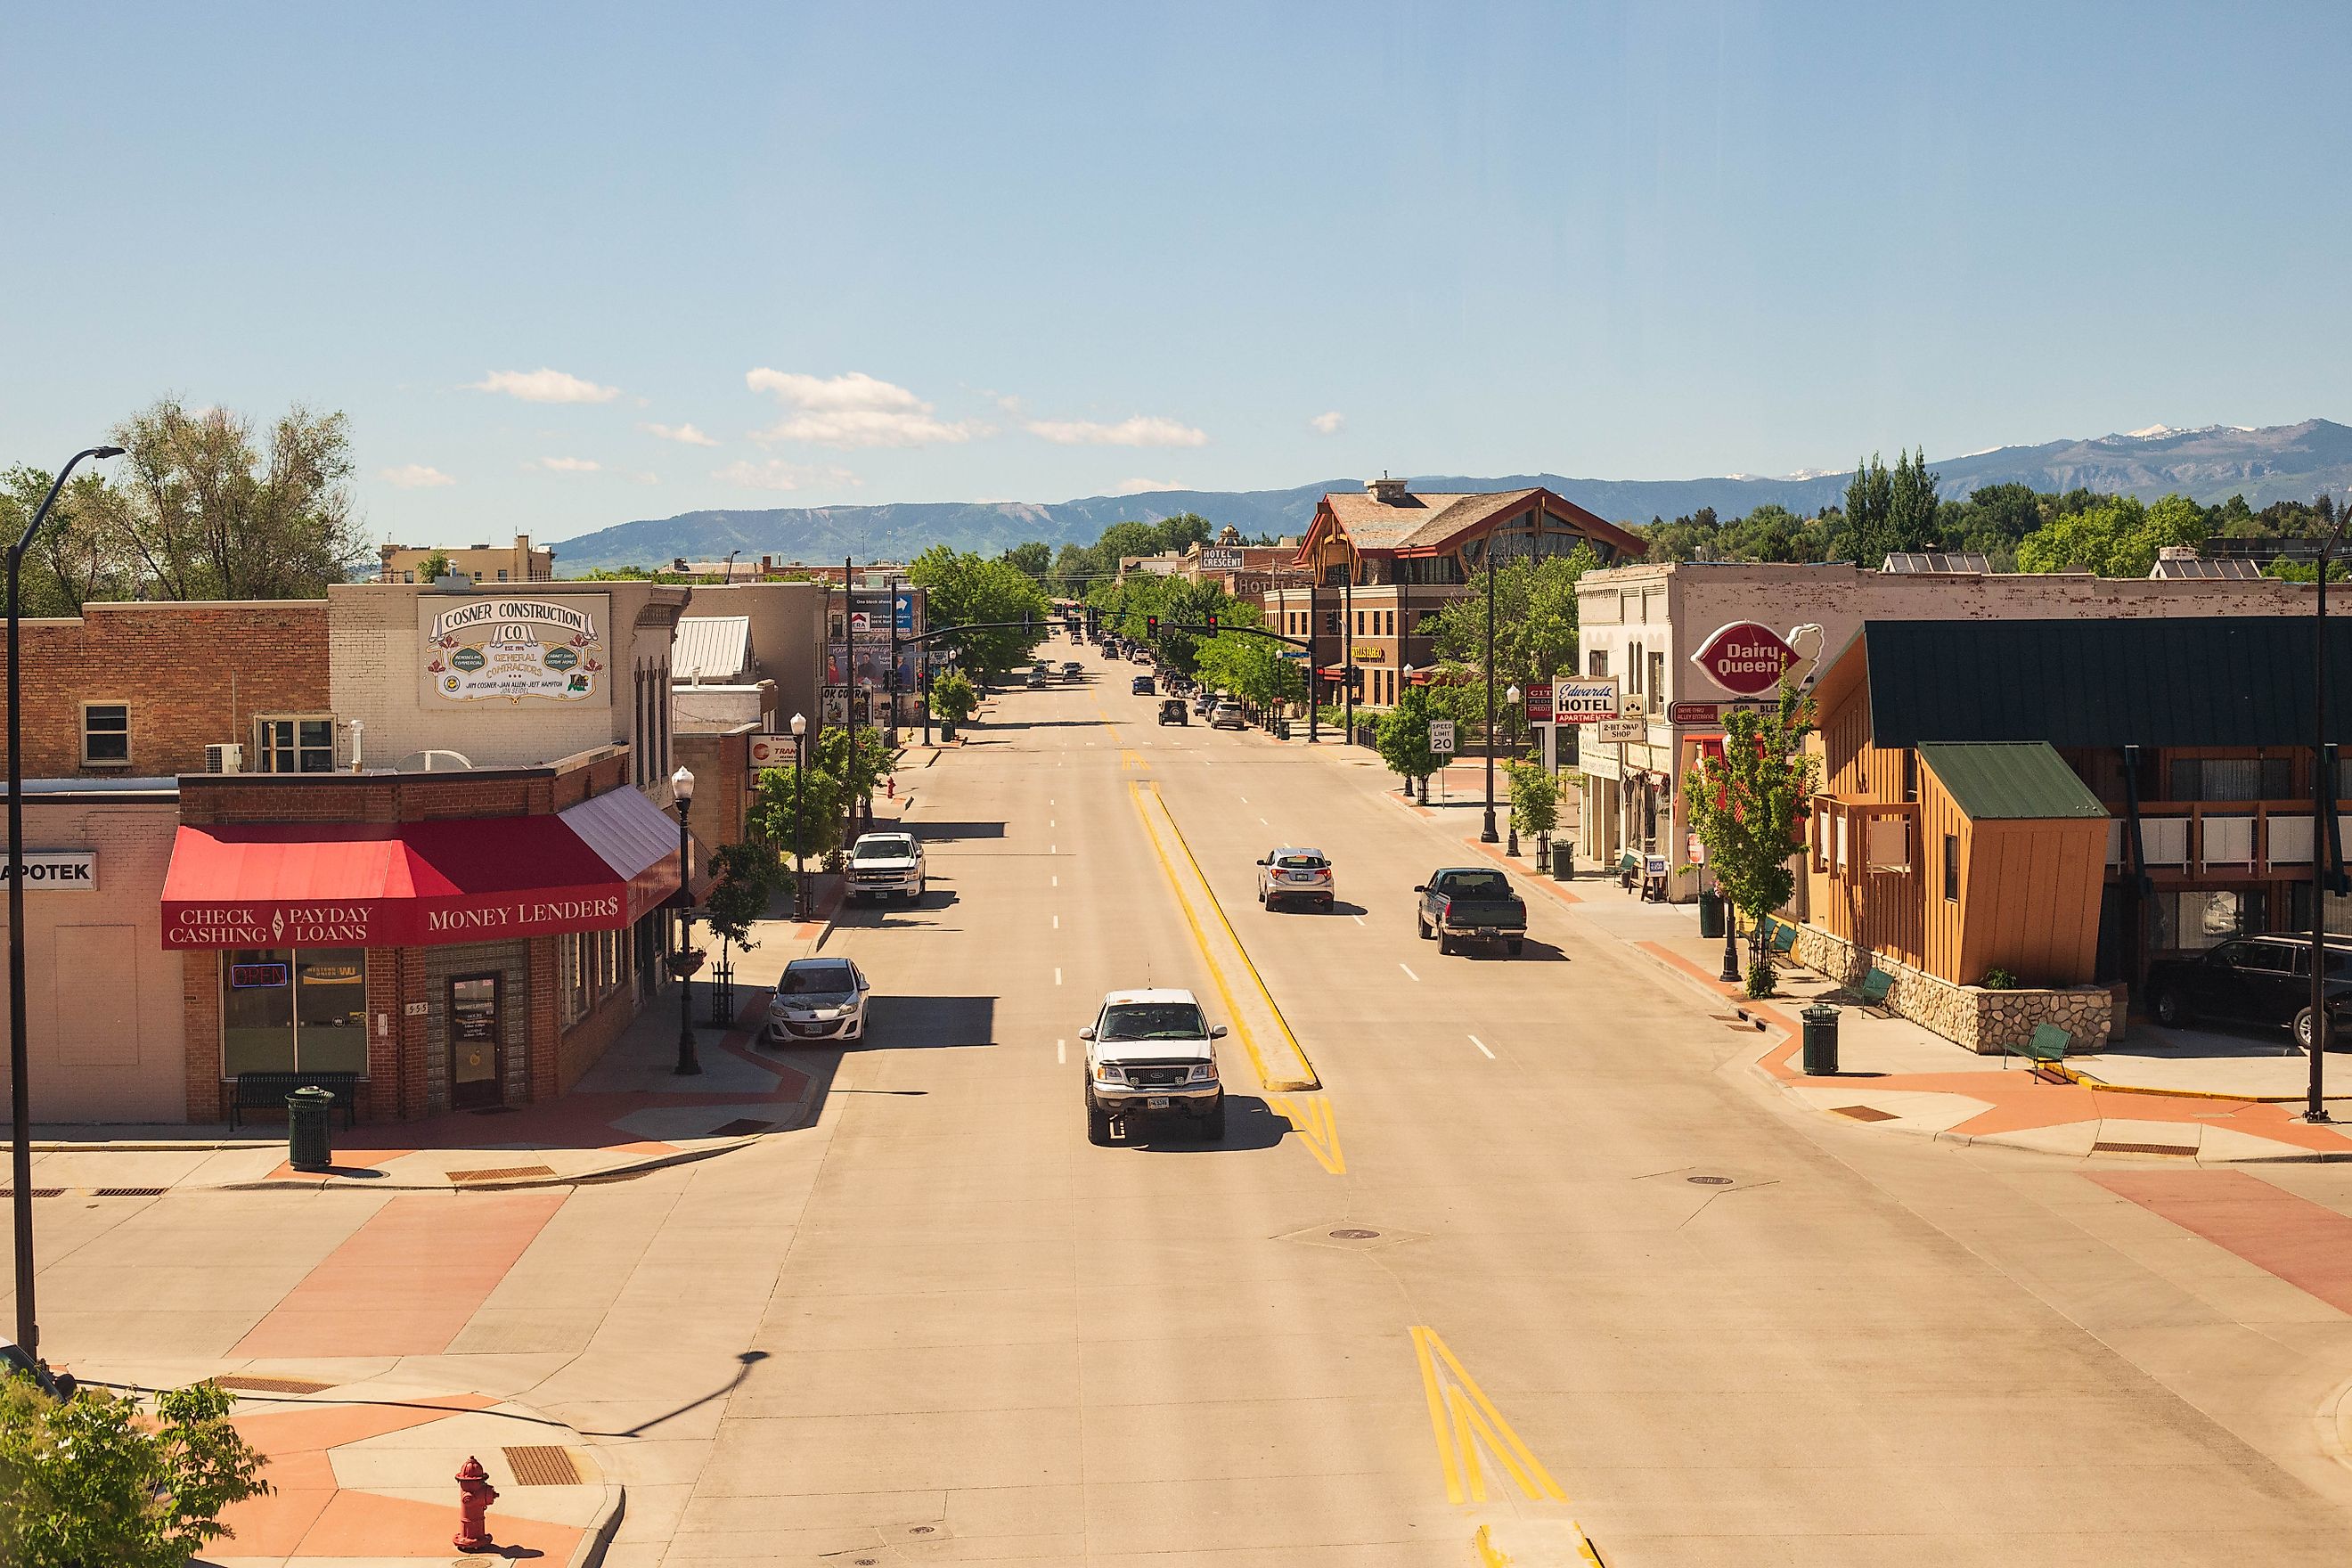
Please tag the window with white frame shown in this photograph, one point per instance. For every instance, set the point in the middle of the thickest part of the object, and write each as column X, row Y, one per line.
column 106, row 734
column 294, row 744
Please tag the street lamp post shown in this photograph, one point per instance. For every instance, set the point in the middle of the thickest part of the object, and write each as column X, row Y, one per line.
column 681, row 789
column 800, row 762
column 28, row 1328
column 1347, row 641
column 1486, row 834
column 1314, row 664
column 1510, row 705
column 2322, row 805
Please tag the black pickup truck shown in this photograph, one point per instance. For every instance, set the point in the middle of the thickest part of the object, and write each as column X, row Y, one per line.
column 1471, row 903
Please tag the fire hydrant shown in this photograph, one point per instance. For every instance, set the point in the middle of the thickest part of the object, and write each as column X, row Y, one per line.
column 891, row 787
column 475, row 1496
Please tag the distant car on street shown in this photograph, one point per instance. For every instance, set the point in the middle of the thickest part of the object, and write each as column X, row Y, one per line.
column 1204, row 701
column 1142, row 686
column 883, row 864
column 1152, row 1053
column 1471, row 903
column 2259, row 980
column 818, row 999
column 1228, row 716
column 1172, row 712
column 1295, row 874
column 1071, row 670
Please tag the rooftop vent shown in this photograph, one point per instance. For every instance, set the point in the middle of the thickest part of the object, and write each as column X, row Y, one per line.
column 1386, row 491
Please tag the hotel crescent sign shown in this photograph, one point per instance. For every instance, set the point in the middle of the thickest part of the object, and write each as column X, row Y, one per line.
column 1745, row 657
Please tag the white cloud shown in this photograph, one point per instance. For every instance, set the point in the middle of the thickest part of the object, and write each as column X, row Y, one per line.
column 852, row 410
column 1142, row 487
column 685, row 435
column 1328, row 424
column 778, row 475
column 571, row 464
column 544, row 386
column 414, row 476
column 1140, row 430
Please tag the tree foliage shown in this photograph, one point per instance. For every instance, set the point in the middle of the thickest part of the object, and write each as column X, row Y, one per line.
column 965, row 589
column 1745, row 807
column 750, row 875
column 96, row 1480
column 823, row 807
column 74, row 559
column 2116, row 538
column 1402, row 736
column 1078, row 567
column 1535, row 631
column 1534, row 797
column 953, row 697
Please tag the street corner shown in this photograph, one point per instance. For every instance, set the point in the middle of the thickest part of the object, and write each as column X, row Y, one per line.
column 381, row 1470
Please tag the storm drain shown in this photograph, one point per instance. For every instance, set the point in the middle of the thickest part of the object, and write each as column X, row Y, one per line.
column 38, row 1192
column 544, row 1466
column 1865, row 1113
column 2143, row 1148
column 502, row 1173
column 239, row 1382
column 128, row 1192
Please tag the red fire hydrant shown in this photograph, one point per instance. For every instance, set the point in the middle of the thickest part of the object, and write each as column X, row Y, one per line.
column 475, row 1496
column 891, row 787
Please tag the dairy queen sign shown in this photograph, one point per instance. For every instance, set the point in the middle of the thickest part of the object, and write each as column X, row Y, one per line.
column 1745, row 657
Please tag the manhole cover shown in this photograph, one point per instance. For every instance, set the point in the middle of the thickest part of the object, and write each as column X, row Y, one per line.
column 1712, row 1181
column 1353, row 1235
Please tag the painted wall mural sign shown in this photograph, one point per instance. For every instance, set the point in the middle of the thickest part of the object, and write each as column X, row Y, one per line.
column 544, row 652
column 1745, row 657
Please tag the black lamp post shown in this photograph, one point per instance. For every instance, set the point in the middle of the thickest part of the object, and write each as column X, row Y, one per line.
column 1486, row 835
column 28, row 1328
column 1510, row 705
column 800, row 761
column 2323, row 790
column 681, row 786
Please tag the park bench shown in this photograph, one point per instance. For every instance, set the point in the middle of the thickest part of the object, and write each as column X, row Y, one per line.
column 267, row 1092
column 2044, row 1048
column 1629, row 868
column 1781, row 942
column 1872, row 993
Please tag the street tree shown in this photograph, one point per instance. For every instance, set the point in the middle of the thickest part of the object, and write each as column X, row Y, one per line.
column 2116, row 537
column 750, row 875
column 74, row 559
column 1534, row 797
column 1744, row 807
column 954, row 699
column 1535, row 623
column 966, row 589
column 1031, row 559
column 98, row 1480
column 1402, row 739
column 810, row 797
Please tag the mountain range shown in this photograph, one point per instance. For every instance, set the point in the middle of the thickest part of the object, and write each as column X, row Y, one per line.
column 2279, row 462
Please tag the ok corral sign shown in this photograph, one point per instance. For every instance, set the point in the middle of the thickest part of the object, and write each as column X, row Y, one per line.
column 1745, row 657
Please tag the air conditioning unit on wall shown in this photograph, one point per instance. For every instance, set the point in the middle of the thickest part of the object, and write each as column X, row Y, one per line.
column 226, row 759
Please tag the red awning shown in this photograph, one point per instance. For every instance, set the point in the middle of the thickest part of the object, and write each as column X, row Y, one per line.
column 413, row 884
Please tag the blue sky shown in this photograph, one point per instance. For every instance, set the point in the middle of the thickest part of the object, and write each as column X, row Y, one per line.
column 934, row 252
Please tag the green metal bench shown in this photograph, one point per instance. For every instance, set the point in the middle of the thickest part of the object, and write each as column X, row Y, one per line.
column 1872, row 993
column 2044, row 1048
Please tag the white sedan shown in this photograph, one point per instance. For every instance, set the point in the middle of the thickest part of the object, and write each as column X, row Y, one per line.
column 818, row 999
column 1295, row 874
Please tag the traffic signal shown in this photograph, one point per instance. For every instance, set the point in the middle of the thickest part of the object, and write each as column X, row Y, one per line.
column 1356, row 680
column 1151, row 627
column 1212, row 622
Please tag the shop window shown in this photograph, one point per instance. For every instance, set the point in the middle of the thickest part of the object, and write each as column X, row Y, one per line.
column 1633, row 671
column 296, row 745
column 1596, row 663
column 2229, row 778
column 2193, row 922
column 105, row 734
column 1952, row 866
column 294, row 1010
column 1658, row 682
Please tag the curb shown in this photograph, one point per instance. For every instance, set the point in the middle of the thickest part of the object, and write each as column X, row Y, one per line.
column 592, row 1547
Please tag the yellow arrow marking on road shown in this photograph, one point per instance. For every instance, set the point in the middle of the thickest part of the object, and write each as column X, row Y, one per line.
column 1310, row 1118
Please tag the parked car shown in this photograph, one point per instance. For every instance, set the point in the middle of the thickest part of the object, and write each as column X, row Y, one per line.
column 1172, row 712
column 1152, row 1053
column 884, row 864
column 1470, row 904
column 2260, row 979
column 1228, row 716
column 1142, row 686
column 1204, row 701
column 1295, row 874
column 13, row 1359
column 818, row 999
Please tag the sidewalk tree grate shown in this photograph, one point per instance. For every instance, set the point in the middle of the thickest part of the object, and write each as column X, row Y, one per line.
column 1865, row 1112
column 2143, row 1148
column 38, row 1192
column 742, row 1126
column 128, row 1192
column 239, row 1383
column 543, row 1465
column 501, row 1173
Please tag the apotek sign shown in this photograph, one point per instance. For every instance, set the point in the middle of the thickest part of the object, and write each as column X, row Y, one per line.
column 1745, row 657
column 57, row 871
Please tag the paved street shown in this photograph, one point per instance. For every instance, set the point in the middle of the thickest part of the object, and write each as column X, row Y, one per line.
column 1542, row 1258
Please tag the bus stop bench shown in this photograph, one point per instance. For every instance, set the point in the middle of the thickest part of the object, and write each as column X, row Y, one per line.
column 2046, row 1049
column 1871, row 995
column 267, row 1092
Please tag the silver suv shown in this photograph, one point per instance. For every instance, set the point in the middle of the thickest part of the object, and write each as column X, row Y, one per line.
column 1152, row 1053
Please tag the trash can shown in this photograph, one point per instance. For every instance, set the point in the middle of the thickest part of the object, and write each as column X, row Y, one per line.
column 1710, row 917
column 306, row 1129
column 1820, row 1041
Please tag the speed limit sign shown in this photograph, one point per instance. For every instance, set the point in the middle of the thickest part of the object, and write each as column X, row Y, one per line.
column 1441, row 736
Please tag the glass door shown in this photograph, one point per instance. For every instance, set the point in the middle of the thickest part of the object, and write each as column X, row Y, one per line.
column 476, row 1041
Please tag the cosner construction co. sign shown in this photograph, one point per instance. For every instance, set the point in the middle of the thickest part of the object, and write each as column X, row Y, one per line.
column 1745, row 657
column 390, row 922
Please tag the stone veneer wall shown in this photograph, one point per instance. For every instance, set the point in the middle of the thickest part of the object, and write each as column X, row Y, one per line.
column 1986, row 1022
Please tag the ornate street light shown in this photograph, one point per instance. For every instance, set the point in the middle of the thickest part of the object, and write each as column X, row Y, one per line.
column 681, row 789
column 800, row 760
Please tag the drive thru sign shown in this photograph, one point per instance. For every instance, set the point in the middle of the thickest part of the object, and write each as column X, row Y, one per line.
column 1441, row 736
column 1584, row 699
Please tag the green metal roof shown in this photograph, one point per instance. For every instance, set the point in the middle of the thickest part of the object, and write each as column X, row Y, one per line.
column 1999, row 780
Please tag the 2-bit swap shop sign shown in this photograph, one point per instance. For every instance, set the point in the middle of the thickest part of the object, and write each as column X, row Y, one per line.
column 1745, row 657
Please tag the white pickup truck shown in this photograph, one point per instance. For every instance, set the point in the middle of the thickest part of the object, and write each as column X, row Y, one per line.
column 883, row 864
column 1151, row 1054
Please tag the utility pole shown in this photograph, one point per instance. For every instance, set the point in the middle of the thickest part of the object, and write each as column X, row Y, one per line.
column 1486, row 835
column 2323, row 809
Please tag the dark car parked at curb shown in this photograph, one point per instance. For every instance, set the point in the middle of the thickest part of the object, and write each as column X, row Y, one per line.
column 1470, row 904
column 2262, row 980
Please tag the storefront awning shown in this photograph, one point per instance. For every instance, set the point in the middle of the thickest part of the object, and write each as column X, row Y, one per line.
column 596, row 866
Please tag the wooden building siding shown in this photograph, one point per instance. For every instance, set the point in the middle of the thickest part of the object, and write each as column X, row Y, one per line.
column 1945, row 920
column 2036, row 910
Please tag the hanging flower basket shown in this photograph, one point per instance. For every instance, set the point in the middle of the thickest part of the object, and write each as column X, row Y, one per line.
column 686, row 962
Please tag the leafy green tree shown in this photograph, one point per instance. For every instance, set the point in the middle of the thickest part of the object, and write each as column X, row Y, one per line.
column 1535, row 623
column 94, row 1480
column 2116, row 537
column 1534, row 797
column 1744, row 807
column 823, row 806
column 953, row 697
column 73, row 560
column 1403, row 738
column 1910, row 506
column 858, row 759
column 750, row 877
column 435, row 567
column 965, row 589
column 1031, row 559
column 1870, row 509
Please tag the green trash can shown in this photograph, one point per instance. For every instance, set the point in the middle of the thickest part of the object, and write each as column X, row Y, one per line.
column 1820, row 1041
column 306, row 1129
column 1710, row 917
